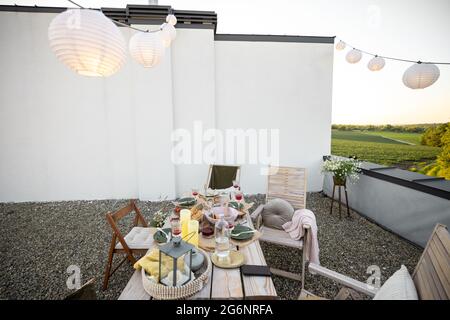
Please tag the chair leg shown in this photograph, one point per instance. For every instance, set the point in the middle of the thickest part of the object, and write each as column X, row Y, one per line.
column 108, row 271
column 340, row 203
column 332, row 199
column 346, row 202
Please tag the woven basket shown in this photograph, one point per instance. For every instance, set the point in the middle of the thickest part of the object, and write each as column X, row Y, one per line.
column 162, row 292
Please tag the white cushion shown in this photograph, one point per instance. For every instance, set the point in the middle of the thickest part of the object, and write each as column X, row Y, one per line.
column 400, row 286
column 138, row 238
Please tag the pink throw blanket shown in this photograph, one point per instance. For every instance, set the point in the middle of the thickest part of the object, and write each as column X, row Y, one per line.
column 301, row 218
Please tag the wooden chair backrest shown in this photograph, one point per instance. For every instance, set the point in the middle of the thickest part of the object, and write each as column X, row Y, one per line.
column 289, row 184
column 114, row 217
column 209, row 180
column 432, row 274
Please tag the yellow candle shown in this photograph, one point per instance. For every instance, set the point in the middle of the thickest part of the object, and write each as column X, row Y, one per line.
column 185, row 217
column 193, row 232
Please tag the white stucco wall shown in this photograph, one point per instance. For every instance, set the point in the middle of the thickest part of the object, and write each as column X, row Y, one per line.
column 280, row 85
column 65, row 136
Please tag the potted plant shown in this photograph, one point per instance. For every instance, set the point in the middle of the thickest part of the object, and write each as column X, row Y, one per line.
column 342, row 169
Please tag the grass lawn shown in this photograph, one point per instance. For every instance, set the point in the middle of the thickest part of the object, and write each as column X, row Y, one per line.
column 380, row 149
column 413, row 138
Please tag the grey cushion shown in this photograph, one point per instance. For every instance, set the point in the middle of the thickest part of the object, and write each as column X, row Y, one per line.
column 276, row 213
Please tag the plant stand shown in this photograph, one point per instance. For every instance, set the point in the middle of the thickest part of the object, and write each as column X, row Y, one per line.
column 339, row 183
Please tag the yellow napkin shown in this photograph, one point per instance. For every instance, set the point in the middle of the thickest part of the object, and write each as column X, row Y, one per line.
column 150, row 263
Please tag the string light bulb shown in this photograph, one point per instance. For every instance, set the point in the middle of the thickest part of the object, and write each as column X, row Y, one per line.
column 146, row 48
column 376, row 63
column 340, row 45
column 353, row 56
column 421, row 75
column 171, row 19
column 87, row 42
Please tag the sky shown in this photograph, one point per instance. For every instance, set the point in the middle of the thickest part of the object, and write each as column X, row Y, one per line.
column 414, row 30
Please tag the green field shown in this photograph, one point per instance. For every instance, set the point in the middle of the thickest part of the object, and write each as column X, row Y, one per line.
column 378, row 147
column 407, row 137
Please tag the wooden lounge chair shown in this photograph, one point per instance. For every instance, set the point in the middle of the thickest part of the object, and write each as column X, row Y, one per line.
column 222, row 176
column 288, row 184
column 137, row 241
column 431, row 276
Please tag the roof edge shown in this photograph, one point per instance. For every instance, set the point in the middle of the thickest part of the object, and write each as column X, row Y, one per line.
column 273, row 38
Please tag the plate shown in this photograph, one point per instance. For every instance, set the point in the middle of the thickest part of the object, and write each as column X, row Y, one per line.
column 245, row 236
column 235, row 205
column 234, row 260
column 161, row 237
column 186, row 202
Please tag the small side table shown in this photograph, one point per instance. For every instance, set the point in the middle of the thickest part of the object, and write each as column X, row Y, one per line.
column 339, row 183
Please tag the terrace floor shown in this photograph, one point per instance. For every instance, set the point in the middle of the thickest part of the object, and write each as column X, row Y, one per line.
column 38, row 241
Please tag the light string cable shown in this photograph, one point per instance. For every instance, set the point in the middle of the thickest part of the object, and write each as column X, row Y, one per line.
column 118, row 22
column 392, row 58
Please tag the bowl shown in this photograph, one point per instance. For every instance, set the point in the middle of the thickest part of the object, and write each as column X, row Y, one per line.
column 229, row 216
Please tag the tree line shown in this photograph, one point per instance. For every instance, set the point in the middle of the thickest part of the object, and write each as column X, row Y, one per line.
column 412, row 128
column 439, row 136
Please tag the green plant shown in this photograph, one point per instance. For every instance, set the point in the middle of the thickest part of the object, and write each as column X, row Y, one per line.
column 433, row 135
column 159, row 218
column 342, row 168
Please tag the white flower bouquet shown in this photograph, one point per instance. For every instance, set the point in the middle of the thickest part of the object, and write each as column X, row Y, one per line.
column 342, row 169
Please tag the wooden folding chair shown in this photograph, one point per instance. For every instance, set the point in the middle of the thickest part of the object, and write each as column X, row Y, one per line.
column 289, row 184
column 222, row 176
column 137, row 241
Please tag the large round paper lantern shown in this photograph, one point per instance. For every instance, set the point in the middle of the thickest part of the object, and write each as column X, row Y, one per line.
column 353, row 56
column 376, row 63
column 146, row 48
column 340, row 45
column 87, row 42
column 421, row 75
column 171, row 19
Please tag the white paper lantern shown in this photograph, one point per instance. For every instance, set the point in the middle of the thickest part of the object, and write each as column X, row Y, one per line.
column 171, row 19
column 146, row 48
column 170, row 29
column 353, row 56
column 87, row 42
column 340, row 45
column 421, row 75
column 165, row 38
column 376, row 63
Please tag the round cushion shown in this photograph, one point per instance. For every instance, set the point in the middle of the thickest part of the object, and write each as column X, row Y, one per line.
column 276, row 213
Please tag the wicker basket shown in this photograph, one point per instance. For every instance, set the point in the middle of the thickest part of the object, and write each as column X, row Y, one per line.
column 162, row 292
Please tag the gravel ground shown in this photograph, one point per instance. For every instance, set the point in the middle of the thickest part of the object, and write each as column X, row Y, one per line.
column 38, row 241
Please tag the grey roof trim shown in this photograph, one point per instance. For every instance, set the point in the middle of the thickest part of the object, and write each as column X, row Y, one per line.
column 137, row 14
column 272, row 38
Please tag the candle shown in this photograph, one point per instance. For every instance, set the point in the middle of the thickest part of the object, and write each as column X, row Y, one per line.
column 185, row 217
column 193, row 232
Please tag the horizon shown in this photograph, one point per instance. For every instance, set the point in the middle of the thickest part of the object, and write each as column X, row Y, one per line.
column 387, row 123
column 382, row 27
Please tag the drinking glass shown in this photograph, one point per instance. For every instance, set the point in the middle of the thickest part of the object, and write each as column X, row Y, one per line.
column 175, row 225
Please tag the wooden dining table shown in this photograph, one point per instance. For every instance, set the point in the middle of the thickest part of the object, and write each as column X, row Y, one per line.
column 222, row 283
